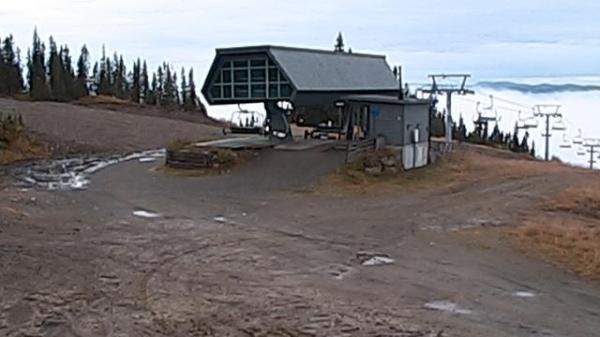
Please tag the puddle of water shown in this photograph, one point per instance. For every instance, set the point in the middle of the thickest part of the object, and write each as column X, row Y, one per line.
column 448, row 307
column 523, row 294
column 146, row 214
column 378, row 261
column 220, row 219
column 73, row 173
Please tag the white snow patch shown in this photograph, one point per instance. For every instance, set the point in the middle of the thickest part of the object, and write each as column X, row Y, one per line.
column 523, row 294
column 220, row 219
column 74, row 173
column 448, row 307
column 146, row 214
column 378, row 261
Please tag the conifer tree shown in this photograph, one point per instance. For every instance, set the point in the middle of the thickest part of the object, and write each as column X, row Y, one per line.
column 36, row 64
column 514, row 146
column 11, row 78
column 68, row 72
column 55, row 73
column 168, row 98
column 192, row 98
column 176, row 89
column 184, row 94
column 339, row 43
column 135, row 84
column 152, row 92
column 158, row 92
column 83, row 65
column 525, row 143
column 145, row 82
column 103, row 80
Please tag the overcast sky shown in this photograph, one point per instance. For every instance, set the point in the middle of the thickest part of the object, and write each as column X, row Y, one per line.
column 491, row 39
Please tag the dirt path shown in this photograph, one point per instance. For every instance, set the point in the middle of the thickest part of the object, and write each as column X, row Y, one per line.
column 70, row 127
column 252, row 254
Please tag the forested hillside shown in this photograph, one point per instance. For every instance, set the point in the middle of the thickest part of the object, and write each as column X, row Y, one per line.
column 49, row 73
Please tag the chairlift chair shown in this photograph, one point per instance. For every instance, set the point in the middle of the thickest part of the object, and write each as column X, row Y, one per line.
column 566, row 143
column 579, row 139
column 531, row 122
column 559, row 125
column 245, row 122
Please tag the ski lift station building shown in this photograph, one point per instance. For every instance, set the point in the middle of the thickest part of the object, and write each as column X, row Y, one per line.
column 355, row 94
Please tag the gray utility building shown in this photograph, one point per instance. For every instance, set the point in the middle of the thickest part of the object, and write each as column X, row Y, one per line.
column 402, row 123
column 316, row 83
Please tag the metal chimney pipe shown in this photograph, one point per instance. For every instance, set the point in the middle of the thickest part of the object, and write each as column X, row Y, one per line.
column 401, row 87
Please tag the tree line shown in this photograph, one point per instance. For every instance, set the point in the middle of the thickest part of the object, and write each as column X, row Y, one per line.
column 481, row 134
column 52, row 75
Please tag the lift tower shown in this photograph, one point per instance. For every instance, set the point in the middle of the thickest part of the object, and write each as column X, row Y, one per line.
column 548, row 111
column 459, row 89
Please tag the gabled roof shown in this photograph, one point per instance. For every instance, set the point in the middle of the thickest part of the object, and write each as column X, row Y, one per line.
column 322, row 70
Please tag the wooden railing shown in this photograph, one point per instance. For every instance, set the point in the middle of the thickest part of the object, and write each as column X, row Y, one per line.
column 356, row 149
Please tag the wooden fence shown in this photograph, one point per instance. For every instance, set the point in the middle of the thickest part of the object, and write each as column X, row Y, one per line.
column 356, row 149
column 186, row 159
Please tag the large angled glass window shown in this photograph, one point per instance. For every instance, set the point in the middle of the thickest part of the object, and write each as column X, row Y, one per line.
column 256, row 78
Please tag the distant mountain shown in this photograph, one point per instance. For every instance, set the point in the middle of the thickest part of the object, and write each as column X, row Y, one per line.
column 537, row 88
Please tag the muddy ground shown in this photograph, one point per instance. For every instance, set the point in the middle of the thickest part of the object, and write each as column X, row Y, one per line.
column 258, row 253
column 69, row 128
column 278, row 247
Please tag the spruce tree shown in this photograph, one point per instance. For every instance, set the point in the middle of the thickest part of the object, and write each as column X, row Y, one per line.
column 158, row 92
column 103, row 81
column 117, row 80
column 56, row 74
column 193, row 99
column 184, row 93
column 525, row 143
column 145, row 82
column 153, row 92
column 83, row 65
column 168, row 99
column 175, row 94
column 514, row 144
column 38, row 86
column 11, row 79
column 68, row 72
column 135, row 82
column 339, row 43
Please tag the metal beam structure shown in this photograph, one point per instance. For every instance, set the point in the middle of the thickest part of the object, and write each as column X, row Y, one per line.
column 448, row 92
column 551, row 111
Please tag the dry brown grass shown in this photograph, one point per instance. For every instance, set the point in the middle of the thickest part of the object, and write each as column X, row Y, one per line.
column 569, row 241
column 455, row 172
column 102, row 100
column 583, row 201
column 567, row 230
column 23, row 148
